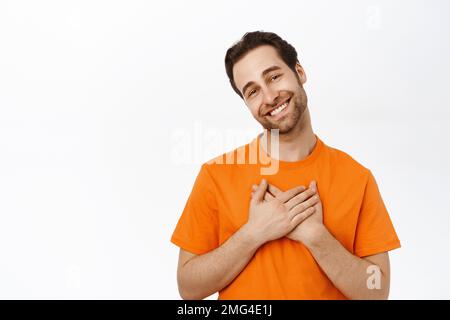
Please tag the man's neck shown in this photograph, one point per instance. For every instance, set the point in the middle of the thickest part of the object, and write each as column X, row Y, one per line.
column 295, row 145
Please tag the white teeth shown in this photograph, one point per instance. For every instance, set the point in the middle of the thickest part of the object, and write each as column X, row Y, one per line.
column 279, row 109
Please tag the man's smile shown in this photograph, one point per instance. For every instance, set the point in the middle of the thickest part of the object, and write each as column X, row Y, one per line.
column 274, row 113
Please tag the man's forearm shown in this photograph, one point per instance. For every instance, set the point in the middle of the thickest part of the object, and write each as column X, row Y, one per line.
column 347, row 272
column 208, row 273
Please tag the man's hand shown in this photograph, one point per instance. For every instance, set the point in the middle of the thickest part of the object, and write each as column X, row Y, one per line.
column 273, row 219
column 308, row 230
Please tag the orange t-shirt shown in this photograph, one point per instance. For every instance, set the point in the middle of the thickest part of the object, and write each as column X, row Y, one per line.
column 353, row 211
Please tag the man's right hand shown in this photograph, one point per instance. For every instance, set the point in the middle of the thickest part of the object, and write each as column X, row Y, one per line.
column 270, row 220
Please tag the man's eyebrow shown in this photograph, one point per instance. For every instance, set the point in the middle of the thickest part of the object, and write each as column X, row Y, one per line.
column 270, row 69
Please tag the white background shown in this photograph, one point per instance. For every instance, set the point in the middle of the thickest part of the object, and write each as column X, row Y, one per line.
column 99, row 98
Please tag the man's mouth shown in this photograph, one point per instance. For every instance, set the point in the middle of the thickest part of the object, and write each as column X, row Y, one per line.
column 279, row 108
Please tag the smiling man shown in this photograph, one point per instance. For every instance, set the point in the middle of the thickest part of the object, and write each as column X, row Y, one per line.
column 317, row 228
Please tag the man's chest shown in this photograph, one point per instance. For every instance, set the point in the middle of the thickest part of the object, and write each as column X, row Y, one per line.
column 341, row 201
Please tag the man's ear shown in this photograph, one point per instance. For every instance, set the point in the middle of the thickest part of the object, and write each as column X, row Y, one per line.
column 300, row 72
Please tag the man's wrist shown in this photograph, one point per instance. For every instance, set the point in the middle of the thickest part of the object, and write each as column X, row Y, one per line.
column 317, row 236
column 249, row 237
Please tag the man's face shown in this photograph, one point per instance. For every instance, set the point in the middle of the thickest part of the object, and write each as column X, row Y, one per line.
column 271, row 90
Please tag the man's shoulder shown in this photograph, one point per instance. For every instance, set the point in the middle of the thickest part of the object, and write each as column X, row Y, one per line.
column 230, row 160
column 342, row 160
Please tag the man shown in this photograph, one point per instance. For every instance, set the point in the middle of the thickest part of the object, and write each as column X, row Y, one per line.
column 315, row 228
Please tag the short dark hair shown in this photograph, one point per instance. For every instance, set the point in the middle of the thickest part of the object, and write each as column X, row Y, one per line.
column 252, row 40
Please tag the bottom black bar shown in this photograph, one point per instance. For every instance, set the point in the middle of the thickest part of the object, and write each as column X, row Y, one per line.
column 221, row 309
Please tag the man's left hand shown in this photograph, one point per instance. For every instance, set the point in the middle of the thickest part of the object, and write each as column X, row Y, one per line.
column 310, row 229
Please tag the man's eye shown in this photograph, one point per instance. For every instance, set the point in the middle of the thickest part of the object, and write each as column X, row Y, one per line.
column 251, row 93
column 275, row 76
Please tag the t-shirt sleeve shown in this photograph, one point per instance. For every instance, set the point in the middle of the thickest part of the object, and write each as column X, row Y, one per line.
column 197, row 230
column 375, row 232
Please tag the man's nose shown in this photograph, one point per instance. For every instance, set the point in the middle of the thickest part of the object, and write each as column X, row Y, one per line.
column 269, row 95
